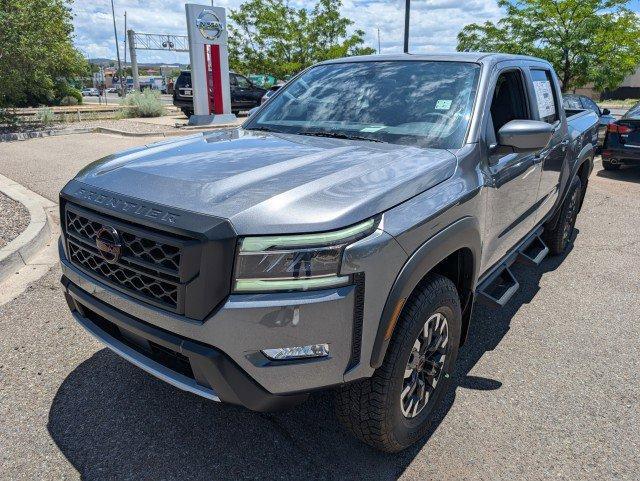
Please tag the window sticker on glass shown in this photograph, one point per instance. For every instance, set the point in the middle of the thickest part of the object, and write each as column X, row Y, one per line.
column 443, row 104
column 544, row 97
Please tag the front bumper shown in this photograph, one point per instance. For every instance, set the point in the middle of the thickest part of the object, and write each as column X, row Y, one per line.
column 186, row 364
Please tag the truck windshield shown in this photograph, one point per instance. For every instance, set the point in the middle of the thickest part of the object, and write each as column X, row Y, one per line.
column 417, row 103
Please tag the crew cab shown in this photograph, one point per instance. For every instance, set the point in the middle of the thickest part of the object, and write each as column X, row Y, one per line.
column 338, row 240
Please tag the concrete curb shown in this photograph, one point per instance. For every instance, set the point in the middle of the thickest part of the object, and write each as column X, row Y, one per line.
column 17, row 253
column 38, row 134
column 170, row 133
column 105, row 130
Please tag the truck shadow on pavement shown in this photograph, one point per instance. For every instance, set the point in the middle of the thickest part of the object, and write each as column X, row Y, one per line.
column 113, row 421
column 626, row 174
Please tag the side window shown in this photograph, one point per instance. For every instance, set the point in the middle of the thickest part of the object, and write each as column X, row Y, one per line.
column 232, row 80
column 590, row 104
column 509, row 100
column 545, row 95
column 571, row 102
column 243, row 83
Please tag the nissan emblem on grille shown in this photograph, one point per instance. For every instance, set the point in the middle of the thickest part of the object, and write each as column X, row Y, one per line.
column 109, row 244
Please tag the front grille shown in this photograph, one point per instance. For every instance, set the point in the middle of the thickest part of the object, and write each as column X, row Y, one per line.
column 152, row 287
column 151, row 264
column 142, row 248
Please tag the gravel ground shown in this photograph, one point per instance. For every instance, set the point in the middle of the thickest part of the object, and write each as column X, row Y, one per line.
column 547, row 387
column 129, row 126
column 14, row 218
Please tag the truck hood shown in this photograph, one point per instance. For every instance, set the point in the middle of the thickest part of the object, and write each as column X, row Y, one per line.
column 272, row 183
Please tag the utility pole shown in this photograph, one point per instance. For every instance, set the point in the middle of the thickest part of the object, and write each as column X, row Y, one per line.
column 134, row 59
column 378, row 41
column 407, row 7
column 125, row 39
column 115, row 34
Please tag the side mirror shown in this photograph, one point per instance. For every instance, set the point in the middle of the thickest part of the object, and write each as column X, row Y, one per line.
column 606, row 112
column 252, row 111
column 525, row 135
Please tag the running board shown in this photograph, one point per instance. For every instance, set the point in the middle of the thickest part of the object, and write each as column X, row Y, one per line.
column 498, row 288
column 533, row 253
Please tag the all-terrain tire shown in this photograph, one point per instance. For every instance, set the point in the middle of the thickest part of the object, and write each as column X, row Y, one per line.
column 371, row 408
column 606, row 165
column 558, row 237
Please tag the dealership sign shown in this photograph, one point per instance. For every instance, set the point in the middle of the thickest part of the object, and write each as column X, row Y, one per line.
column 207, row 28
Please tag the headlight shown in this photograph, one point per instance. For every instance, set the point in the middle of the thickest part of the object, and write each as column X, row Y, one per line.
column 295, row 262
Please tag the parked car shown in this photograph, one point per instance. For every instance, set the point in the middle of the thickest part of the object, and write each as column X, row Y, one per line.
column 622, row 142
column 573, row 103
column 244, row 95
column 91, row 92
column 338, row 240
column 273, row 89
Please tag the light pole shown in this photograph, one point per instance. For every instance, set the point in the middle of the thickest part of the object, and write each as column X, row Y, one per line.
column 115, row 34
column 378, row 41
column 407, row 7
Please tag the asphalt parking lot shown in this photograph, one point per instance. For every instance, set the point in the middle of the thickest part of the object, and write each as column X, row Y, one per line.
column 548, row 387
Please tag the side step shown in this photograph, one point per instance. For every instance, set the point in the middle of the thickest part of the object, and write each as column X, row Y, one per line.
column 533, row 253
column 498, row 288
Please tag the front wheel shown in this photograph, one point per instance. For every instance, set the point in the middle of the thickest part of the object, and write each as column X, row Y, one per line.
column 392, row 409
column 557, row 238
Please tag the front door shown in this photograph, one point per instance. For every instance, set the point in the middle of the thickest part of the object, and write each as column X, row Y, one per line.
column 513, row 177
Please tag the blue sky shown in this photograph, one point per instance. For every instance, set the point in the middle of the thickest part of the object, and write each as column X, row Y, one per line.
column 434, row 23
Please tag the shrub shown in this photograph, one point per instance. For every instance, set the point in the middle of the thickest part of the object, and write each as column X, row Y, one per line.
column 74, row 93
column 45, row 116
column 143, row 104
column 69, row 100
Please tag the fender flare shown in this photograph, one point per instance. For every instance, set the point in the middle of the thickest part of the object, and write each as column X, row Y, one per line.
column 587, row 154
column 463, row 233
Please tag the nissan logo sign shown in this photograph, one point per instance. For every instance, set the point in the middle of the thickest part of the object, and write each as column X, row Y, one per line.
column 209, row 25
column 109, row 244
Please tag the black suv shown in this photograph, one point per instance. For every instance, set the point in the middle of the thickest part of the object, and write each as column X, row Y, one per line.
column 244, row 94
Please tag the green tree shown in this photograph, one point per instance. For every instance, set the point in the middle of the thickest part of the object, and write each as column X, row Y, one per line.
column 586, row 41
column 271, row 37
column 37, row 57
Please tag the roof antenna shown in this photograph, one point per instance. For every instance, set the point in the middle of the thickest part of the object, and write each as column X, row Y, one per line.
column 407, row 7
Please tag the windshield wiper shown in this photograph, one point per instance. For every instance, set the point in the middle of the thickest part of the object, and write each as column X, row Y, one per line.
column 264, row 129
column 338, row 135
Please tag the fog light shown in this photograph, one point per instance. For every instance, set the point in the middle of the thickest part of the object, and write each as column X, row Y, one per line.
column 298, row 352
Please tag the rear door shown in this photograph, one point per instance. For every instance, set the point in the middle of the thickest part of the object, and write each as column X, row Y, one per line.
column 546, row 95
column 513, row 176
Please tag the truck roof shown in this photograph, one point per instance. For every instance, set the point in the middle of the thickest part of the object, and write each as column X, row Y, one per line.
column 479, row 57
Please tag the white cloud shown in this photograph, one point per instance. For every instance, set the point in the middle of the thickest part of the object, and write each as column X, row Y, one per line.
column 434, row 23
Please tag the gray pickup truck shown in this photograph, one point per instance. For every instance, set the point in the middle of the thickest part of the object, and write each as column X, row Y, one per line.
column 338, row 240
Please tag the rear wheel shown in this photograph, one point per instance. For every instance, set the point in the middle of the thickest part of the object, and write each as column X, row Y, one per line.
column 392, row 409
column 557, row 238
column 187, row 112
column 609, row 166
